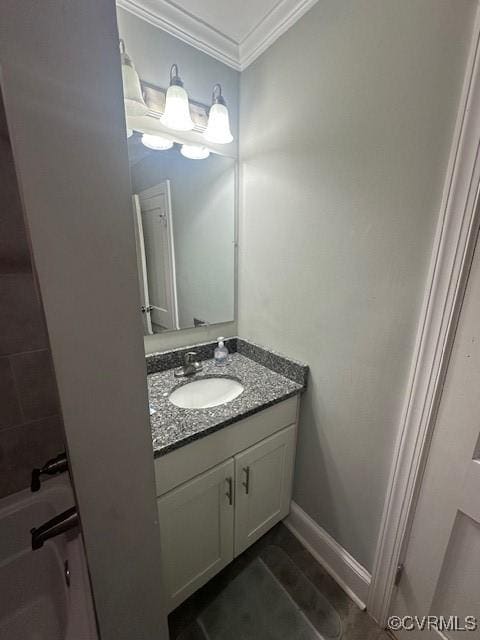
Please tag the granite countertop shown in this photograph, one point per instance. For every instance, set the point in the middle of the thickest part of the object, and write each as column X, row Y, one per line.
column 173, row 427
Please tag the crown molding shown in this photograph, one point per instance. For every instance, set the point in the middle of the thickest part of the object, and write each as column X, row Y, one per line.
column 272, row 26
column 182, row 25
column 198, row 34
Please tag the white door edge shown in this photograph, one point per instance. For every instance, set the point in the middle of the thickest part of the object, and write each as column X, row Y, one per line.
column 172, row 256
column 142, row 261
column 451, row 257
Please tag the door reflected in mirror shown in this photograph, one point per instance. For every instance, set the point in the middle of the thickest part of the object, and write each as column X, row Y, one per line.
column 184, row 215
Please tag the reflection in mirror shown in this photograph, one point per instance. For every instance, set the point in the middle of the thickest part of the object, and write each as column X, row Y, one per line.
column 184, row 213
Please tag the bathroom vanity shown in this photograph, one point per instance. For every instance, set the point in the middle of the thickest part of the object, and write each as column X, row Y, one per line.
column 223, row 469
column 223, row 473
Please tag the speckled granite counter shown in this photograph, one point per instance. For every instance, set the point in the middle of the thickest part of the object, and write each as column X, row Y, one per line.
column 173, row 427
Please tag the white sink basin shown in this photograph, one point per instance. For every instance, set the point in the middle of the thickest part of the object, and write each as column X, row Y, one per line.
column 206, row 392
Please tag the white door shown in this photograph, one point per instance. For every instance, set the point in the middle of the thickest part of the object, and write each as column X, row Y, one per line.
column 142, row 267
column 263, row 486
column 442, row 566
column 156, row 209
column 196, row 528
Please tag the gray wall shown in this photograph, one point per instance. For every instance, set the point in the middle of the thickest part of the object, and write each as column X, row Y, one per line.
column 153, row 51
column 203, row 212
column 62, row 90
column 346, row 123
column 31, row 429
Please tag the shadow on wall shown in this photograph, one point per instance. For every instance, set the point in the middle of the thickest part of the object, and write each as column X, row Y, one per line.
column 31, row 429
column 326, row 501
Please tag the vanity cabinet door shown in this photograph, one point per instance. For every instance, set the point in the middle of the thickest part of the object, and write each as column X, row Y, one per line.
column 196, row 528
column 263, row 481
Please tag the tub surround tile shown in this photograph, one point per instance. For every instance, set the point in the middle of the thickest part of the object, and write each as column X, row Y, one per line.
column 30, row 430
column 25, row 447
column 35, row 382
column 14, row 249
column 173, row 427
column 22, row 326
column 3, row 124
column 10, row 412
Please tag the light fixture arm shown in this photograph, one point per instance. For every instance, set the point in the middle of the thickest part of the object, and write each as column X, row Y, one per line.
column 175, row 79
column 132, row 88
column 217, row 97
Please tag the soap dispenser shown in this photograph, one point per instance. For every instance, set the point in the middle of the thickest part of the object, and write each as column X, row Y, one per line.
column 221, row 352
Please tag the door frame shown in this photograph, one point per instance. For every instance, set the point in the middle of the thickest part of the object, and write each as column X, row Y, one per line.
column 452, row 254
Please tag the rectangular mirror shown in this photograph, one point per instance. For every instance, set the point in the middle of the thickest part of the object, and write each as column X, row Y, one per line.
column 184, row 215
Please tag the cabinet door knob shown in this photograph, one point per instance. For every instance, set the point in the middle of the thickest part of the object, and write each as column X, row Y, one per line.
column 229, row 493
column 246, row 484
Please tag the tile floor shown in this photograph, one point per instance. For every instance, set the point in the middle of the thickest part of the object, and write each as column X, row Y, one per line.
column 357, row 624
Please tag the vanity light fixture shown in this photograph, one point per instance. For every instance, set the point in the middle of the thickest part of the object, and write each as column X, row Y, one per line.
column 177, row 109
column 218, row 127
column 132, row 90
column 194, row 151
column 157, row 143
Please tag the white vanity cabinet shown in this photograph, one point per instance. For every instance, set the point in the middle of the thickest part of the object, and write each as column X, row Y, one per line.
column 216, row 512
column 196, row 526
column 263, row 486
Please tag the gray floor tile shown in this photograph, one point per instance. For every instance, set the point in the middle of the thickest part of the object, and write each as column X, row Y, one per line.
column 356, row 624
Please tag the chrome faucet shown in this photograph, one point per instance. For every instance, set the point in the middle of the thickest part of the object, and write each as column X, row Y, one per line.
column 190, row 366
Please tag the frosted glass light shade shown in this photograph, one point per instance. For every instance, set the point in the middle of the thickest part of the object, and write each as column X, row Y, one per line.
column 218, row 127
column 132, row 91
column 194, row 151
column 157, row 143
column 177, row 110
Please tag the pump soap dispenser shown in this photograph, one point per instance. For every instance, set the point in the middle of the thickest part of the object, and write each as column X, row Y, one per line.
column 221, row 352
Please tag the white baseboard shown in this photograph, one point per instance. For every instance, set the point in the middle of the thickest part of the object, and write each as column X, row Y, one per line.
column 344, row 569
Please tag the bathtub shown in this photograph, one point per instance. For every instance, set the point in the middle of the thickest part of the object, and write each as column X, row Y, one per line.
column 36, row 603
